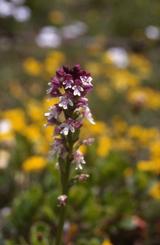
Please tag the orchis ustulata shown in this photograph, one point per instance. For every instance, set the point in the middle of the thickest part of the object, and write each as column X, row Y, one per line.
column 70, row 86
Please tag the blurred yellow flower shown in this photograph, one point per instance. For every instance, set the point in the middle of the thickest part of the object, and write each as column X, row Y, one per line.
column 104, row 146
column 53, row 61
column 41, row 147
column 143, row 135
column 32, row 66
column 154, row 191
column 32, row 132
column 123, row 79
column 144, row 96
column 149, row 166
column 107, row 242
column 83, row 149
column 4, row 159
column 128, row 172
column 49, row 102
column 94, row 67
column 98, row 128
column 155, row 149
column 119, row 126
column 17, row 90
column 16, row 117
column 137, row 97
column 56, row 17
column 34, row 163
column 141, row 63
column 144, row 165
column 122, row 144
column 96, row 46
column 6, row 131
column 103, row 91
column 35, row 111
column 7, row 137
column 48, row 133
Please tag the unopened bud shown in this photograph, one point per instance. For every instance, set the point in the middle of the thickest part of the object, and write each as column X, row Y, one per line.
column 88, row 141
column 83, row 177
column 62, row 200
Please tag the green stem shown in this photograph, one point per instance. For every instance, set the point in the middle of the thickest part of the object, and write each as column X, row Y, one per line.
column 60, row 226
column 65, row 190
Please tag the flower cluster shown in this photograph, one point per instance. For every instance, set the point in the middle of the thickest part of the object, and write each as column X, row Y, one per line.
column 70, row 86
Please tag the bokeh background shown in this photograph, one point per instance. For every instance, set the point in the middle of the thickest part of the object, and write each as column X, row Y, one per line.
column 119, row 43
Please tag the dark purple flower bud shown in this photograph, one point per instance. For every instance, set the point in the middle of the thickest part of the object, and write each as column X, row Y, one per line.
column 67, row 70
column 77, row 67
column 55, row 82
column 61, row 73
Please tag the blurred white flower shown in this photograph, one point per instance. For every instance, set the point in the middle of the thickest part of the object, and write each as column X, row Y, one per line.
column 67, row 226
column 6, row 8
column 18, row 1
column 5, row 211
column 48, row 37
column 21, row 13
column 152, row 32
column 74, row 30
column 118, row 56
column 5, row 126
